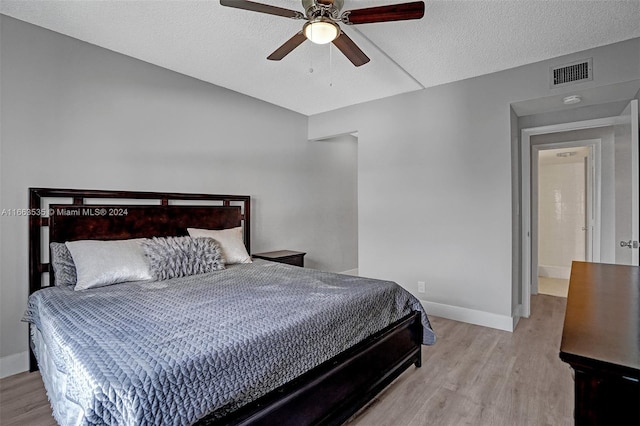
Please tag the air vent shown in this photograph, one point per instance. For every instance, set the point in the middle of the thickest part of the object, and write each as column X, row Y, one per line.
column 572, row 73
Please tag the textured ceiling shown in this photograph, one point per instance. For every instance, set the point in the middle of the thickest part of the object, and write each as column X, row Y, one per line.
column 228, row 47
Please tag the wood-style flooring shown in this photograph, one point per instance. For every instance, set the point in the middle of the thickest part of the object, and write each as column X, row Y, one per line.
column 480, row 376
column 472, row 376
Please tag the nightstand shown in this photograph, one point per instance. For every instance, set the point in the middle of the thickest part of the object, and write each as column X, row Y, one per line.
column 295, row 258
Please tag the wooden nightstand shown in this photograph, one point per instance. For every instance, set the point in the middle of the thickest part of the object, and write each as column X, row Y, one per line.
column 295, row 258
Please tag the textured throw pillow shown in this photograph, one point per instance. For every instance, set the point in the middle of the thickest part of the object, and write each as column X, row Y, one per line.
column 63, row 268
column 230, row 240
column 99, row 263
column 174, row 257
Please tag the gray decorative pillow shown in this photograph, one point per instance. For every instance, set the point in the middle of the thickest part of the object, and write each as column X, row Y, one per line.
column 173, row 257
column 64, row 270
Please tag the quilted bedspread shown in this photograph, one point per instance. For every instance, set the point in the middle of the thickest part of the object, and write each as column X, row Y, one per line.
column 170, row 352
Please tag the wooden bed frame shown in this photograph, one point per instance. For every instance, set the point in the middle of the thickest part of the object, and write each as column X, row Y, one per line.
column 328, row 394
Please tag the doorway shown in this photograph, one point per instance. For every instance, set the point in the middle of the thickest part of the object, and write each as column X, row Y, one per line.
column 564, row 219
column 618, row 205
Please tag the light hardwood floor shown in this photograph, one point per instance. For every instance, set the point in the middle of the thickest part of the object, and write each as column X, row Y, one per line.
column 479, row 376
column 472, row 376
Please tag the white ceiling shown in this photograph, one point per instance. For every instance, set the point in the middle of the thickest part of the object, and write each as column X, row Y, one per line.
column 228, row 47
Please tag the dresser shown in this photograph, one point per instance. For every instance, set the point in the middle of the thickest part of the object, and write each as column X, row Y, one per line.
column 601, row 342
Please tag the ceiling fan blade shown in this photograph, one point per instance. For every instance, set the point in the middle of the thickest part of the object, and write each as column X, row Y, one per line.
column 350, row 50
column 262, row 8
column 393, row 12
column 287, row 47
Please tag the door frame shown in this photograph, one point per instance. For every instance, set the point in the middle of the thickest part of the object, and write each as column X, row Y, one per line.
column 525, row 195
column 634, row 118
column 593, row 179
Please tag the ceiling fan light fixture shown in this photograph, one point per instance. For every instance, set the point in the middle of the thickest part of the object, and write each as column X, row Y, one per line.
column 321, row 31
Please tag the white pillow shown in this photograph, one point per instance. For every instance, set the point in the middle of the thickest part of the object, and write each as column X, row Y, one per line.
column 230, row 240
column 99, row 263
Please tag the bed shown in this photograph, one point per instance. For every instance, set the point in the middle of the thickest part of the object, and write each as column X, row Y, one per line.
column 207, row 348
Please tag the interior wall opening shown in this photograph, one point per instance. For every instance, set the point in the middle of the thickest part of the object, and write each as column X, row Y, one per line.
column 562, row 199
column 616, row 190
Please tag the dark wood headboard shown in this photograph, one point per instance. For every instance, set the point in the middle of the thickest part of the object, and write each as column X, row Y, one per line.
column 81, row 219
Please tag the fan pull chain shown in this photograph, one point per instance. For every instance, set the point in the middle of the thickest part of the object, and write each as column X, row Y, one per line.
column 310, row 50
column 330, row 65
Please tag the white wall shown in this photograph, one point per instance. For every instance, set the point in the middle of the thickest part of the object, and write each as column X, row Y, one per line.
column 78, row 116
column 435, row 182
column 561, row 215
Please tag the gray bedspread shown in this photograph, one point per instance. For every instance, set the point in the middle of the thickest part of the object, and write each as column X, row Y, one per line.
column 170, row 352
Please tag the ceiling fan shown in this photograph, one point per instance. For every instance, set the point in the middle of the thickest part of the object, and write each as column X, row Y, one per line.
column 322, row 22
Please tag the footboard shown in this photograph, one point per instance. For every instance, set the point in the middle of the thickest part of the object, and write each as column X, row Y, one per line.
column 332, row 392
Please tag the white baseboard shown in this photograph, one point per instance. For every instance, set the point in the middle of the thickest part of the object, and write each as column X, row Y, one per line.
column 351, row 272
column 550, row 271
column 14, row 364
column 472, row 316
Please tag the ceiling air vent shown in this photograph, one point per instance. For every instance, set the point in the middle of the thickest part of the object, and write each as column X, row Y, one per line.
column 572, row 73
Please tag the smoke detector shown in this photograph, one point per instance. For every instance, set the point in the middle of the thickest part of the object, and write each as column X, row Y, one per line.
column 571, row 100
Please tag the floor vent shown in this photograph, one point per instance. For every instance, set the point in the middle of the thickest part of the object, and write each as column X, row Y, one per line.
column 572, row 73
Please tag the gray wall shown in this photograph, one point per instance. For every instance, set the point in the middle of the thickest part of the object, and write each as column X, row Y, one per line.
column 78, row 116
column 435, row 182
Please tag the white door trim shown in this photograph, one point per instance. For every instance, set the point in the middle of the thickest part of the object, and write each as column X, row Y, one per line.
column 525, row 193
column 635, row 179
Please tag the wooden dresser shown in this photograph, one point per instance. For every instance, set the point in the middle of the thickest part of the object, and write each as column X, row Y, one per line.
column 601, row 342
